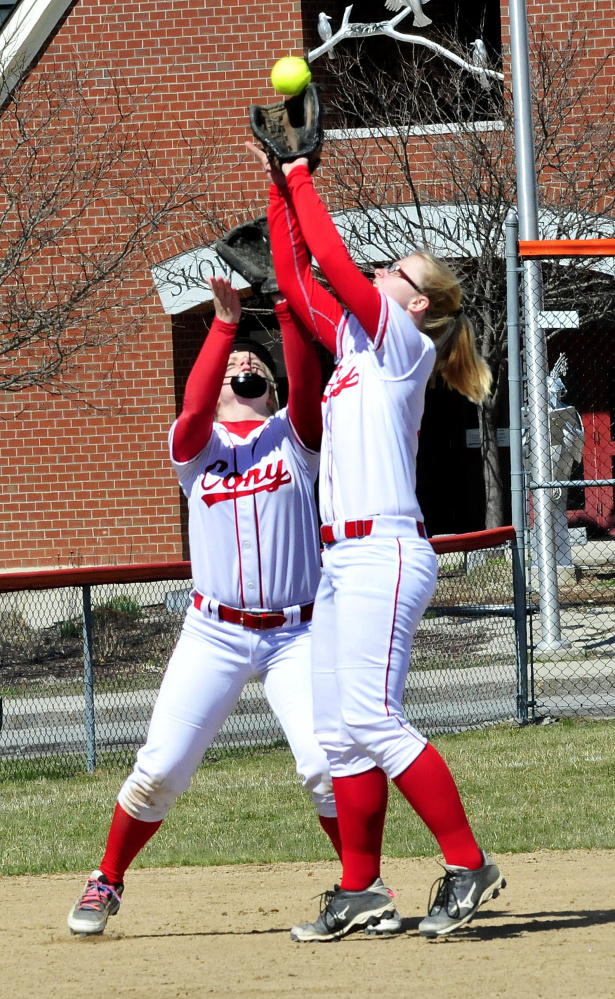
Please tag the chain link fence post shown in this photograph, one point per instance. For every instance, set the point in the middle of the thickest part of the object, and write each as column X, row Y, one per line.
column 88, row 680
column 517, row 473
column 534, row 340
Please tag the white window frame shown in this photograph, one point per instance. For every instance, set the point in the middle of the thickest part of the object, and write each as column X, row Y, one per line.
column 446, row 128
column 23, row 36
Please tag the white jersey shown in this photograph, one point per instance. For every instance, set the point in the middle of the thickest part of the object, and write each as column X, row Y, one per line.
column 252, row 517
column 372, row 411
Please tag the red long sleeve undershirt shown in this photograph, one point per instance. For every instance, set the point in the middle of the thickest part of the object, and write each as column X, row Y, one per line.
column 318, row 311
column 298, row 223
column 195, row 423
column 304, row 377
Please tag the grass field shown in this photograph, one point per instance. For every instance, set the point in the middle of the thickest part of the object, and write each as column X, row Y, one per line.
column 548, row 787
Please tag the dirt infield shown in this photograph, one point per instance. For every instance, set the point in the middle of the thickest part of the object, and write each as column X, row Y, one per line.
column 223, row 931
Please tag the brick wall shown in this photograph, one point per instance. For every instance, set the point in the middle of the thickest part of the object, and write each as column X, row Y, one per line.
column 84, row 485
column 93, row 485
column 595, row 19
column 87, row 486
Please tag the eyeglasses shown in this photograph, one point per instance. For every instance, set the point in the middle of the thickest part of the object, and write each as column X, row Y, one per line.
column 396, row 269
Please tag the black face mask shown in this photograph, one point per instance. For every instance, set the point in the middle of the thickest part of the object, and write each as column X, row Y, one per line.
column 249, row 385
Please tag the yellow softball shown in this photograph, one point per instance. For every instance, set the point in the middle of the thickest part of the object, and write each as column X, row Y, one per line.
column 290, row 75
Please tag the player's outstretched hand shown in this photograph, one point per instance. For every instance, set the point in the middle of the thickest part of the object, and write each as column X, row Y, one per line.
column 226, row 300
column 274, row 174
column 300, row 161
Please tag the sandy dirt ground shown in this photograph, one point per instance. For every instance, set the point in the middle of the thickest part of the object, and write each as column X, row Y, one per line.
column 223, row 931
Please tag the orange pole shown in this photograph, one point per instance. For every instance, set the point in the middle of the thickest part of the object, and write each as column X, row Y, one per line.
column 536, row 248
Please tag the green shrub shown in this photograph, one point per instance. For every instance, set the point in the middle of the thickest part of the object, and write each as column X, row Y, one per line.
column 122, row 604
column 71, row 628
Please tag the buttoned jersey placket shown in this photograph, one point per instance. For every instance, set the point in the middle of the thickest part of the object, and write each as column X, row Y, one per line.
column 248, row 544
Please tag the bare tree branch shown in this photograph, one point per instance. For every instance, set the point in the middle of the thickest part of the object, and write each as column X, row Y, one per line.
column 86, row 189
column 450, row 188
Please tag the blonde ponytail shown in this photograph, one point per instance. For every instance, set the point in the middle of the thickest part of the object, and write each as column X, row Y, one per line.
column 457, row 359
column 461, row 366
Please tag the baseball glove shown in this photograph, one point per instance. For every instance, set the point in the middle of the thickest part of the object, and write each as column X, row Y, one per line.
column 290, row 129
column 247, row 249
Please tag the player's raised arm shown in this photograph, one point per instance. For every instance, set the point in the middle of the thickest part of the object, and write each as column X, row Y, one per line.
column 314, row 306
column 323, row 240
column 304, row 376
column 194, row 425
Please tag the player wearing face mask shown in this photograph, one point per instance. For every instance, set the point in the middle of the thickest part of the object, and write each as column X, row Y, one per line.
column 248, row 470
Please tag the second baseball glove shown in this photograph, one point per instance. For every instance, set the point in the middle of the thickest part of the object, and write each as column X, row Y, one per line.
column 290, row 129
column 247, row 249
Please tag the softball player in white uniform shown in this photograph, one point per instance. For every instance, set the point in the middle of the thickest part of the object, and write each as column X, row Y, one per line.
column 248, row 474
column 379, row 568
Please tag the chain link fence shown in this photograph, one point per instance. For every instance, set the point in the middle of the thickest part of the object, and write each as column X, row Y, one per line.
column 78, row 690
column 569, row 466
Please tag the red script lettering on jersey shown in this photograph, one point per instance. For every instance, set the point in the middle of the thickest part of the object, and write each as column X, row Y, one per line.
column 349, row 380
column 218, row 484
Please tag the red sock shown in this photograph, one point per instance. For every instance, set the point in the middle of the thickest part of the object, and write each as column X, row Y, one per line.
column 361, row 802
column 127, row 836
column 332, row 829
column 428, row 785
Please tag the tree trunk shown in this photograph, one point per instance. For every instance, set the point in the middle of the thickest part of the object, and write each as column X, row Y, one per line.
column 492, row 472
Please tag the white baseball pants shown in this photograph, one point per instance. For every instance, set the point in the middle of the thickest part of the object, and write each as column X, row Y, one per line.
column 370, row 601
column 209, row 668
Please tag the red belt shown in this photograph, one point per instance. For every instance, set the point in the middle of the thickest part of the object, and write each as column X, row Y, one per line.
column 352, row 529
column 258, row 620
column 359, row 529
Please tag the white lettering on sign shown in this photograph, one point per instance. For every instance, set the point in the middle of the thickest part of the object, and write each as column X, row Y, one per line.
column 181, row 281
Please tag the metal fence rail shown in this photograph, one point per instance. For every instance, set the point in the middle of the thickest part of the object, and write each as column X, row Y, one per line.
column 83, row 651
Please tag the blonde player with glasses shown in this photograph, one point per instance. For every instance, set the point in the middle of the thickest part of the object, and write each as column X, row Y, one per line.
column 389, row 337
